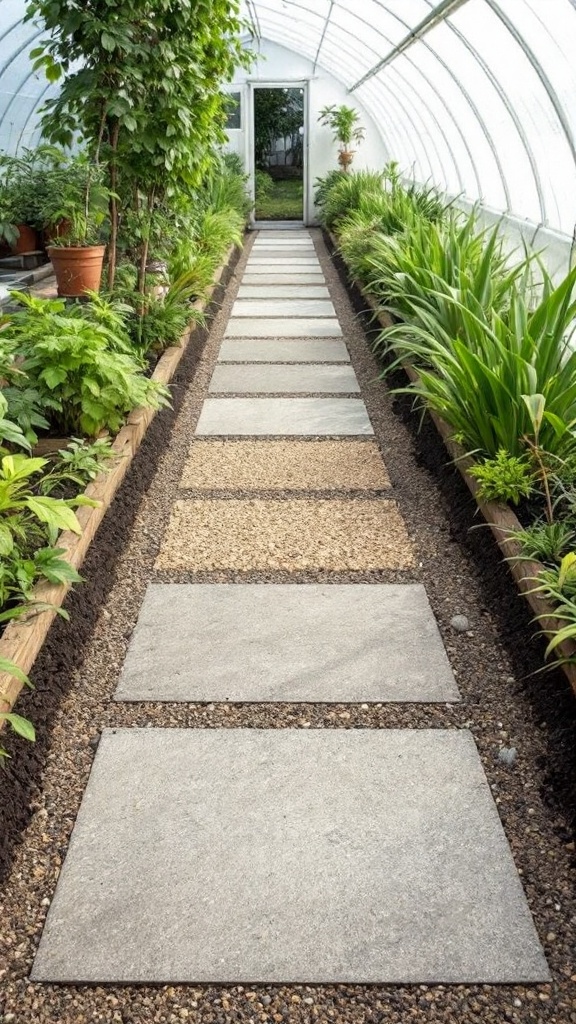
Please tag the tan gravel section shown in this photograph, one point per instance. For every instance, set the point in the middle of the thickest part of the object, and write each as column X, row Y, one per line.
column 284, row 465
column 291, row 535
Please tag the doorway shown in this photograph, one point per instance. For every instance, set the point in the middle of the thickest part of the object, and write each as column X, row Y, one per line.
column 279, row 153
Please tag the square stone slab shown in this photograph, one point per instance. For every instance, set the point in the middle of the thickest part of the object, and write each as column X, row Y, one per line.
column 282, row 327
column 285, row 291
column 262, row 350
column 292, row 535
column 283, row 307
column 265, row 378
column 271, row 856
column 310, row 643
column 288, row 417
column 284, row 465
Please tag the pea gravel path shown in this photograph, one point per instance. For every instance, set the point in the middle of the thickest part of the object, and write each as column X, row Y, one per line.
column 498, row 706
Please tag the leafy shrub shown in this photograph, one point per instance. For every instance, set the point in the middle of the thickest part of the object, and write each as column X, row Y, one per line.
column 85, row 377
column 504, row 478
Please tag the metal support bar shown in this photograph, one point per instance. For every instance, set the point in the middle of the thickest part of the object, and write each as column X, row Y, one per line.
column 439, row 14
column 323, row 36
column 552, row 94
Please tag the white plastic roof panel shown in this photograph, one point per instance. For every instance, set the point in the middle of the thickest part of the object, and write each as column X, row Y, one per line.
column 477, row 95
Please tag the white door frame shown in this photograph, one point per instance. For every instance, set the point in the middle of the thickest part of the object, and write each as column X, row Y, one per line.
column 283, row 83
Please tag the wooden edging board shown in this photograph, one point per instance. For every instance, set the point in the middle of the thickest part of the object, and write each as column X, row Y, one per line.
column 502, row 521
column 23, row 637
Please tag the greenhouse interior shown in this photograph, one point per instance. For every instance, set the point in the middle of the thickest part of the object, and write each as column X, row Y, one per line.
column 287, row 511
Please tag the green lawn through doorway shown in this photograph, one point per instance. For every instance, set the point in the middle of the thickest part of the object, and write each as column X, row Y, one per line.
column 285, row 201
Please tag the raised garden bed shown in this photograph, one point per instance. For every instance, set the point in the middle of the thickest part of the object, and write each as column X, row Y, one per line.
column 501, row 519
column 24, row 637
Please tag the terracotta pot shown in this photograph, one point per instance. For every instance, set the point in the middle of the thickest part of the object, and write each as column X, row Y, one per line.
column 27, row 240
column 78, row 269
column 345, row 158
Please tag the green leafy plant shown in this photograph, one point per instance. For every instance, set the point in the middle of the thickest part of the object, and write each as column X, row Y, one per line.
column 85, row 383
column 19, row 725
column 481, row 385
column 504, row 478
column 544, row 541
column 344, row 123
column 141, row 85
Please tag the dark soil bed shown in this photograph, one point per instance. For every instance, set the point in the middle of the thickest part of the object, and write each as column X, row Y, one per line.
column 503, row 704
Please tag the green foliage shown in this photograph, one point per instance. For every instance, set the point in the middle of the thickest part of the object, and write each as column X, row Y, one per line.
column 344, row 123
column 546, row 542
column 346, row 194
column 278, row 114
column 10, row 432
column 20, row 726
column 285, row 201
column 264, row 185
column 84, row 374
column 505, row 478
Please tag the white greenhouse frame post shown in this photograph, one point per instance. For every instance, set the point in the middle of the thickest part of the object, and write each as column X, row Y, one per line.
column 270, row 83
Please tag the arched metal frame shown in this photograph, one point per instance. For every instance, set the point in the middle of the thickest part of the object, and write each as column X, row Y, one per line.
column 382, row 60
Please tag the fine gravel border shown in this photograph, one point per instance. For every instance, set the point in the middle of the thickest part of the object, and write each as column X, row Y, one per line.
column 502, row 704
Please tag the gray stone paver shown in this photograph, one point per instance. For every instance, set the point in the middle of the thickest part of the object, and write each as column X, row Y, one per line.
column 283, row 291
column 288, row 856
column 269, row 379
column 282, row 327
column 315, row 643
column 262, row 350
column 283, row 417
column 302, row 307
column 282, row 261
column 280, row 276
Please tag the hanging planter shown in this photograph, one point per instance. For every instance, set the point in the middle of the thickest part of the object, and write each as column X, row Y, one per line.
column 78, row 269
column 344, row 122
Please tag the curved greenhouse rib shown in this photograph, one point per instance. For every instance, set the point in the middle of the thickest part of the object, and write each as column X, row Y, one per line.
column 437, row 15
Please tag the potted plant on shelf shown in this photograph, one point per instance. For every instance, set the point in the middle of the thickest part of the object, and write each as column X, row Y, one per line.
column 19, row 210
column 74, row 211
column 344, row 123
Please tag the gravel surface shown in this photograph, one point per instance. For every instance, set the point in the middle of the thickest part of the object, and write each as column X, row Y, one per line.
column 504, row 705
column 286, row 534
column 284, row 465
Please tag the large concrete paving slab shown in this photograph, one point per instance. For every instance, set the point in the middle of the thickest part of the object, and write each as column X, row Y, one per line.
column 291, row 239
column 262, row 350
column 287, row 535
column 288, row 417
column 283, row 252
column 283, row 327
column 288, row 856
column 265, row 378
column 302, row 307
column 287, row 464
column 282, row 291
column 279, row 276
column 308, row 643
column 282, row 261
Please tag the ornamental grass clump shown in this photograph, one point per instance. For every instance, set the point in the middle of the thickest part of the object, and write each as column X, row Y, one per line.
column 486, row 382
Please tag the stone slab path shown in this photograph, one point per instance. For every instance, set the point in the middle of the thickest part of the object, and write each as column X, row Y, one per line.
column 285, row 855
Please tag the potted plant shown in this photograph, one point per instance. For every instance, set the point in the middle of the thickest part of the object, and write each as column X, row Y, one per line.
column 74, row 210
column 19, row 212
column 344, row 122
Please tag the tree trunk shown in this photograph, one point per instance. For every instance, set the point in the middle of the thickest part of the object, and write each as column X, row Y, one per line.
column 113, row 244
column 145, row 244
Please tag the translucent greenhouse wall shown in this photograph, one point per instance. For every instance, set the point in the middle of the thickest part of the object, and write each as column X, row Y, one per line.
column 475, row 95
column 278, row 66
